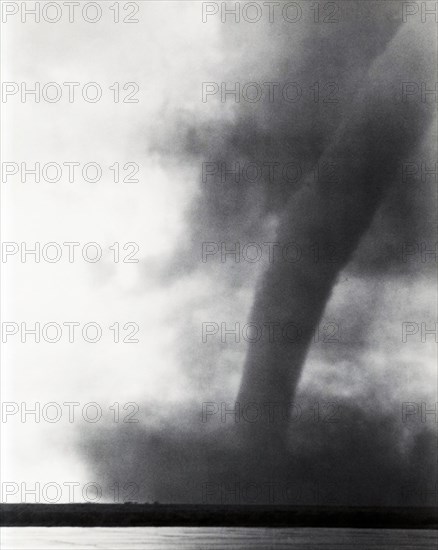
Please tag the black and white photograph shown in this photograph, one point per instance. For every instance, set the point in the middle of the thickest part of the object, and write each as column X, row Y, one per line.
column 219, row 239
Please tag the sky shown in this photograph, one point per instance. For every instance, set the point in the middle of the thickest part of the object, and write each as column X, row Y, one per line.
column 368, row 372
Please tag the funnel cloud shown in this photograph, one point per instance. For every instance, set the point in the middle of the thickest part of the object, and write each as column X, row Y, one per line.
column 362, row 210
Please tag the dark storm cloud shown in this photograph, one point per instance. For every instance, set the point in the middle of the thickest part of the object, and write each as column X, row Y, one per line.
column 369, row 456
column 358, row 453
column 377, row 131
column 336, row 57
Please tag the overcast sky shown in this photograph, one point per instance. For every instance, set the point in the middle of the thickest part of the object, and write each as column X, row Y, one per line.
column 169, row 53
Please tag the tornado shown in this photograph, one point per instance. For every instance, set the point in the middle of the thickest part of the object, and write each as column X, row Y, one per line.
column 379, row 130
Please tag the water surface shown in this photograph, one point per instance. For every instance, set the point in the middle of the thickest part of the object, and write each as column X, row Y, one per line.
column 214, row 538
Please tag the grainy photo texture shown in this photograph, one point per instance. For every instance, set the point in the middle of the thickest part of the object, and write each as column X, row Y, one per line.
column 219, row 274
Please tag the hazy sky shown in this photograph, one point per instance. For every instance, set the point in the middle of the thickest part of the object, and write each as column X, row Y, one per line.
column 169, row 293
